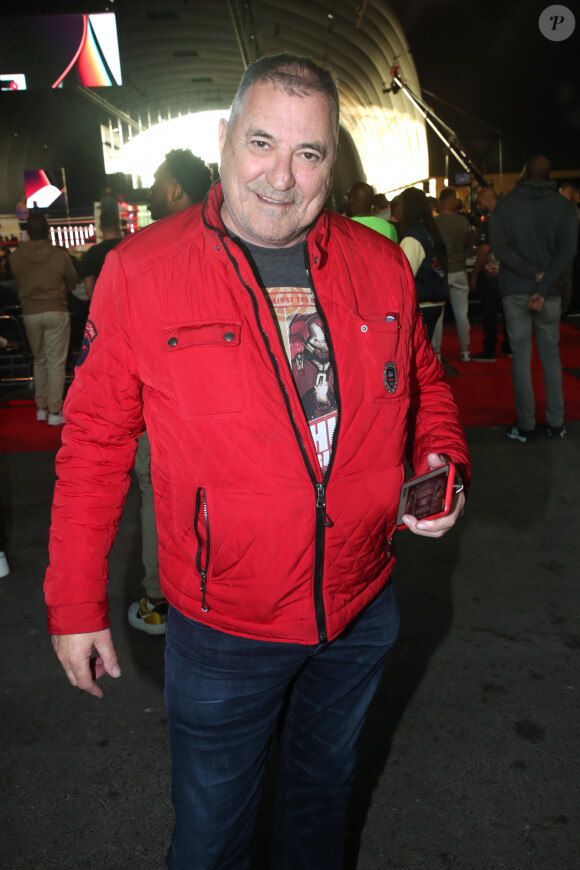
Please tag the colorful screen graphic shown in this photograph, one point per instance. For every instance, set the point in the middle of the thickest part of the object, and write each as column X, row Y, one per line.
column 54, row 51
column 44, row 188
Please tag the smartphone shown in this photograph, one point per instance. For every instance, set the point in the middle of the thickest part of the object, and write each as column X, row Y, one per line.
column 428, row 496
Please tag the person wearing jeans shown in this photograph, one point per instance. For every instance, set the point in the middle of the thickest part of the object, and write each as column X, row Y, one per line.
column 459, row 300
column 218, row 683
column 454, row 229
column 533, row 233
column 275, row 352
column 545, row 324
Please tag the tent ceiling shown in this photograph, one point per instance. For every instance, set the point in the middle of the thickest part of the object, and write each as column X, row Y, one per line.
column 186, row 56
column 180, row 57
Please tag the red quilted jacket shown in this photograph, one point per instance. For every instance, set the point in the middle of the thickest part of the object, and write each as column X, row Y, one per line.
column 252, row 540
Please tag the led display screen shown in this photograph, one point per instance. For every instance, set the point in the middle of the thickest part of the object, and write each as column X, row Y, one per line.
column 44, row 188
column 462, row 179
column 54, row 51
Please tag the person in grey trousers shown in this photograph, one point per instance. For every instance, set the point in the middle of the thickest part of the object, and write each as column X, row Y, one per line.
column 533, row 233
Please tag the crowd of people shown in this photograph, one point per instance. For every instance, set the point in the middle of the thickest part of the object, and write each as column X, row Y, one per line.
column 266, row 365
column 526, row 271
column 450, row 255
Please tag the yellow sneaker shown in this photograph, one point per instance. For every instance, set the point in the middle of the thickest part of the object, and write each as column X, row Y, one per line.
column 148, row 617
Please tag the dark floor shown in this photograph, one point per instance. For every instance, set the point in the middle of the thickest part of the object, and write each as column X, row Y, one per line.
column 469, row 758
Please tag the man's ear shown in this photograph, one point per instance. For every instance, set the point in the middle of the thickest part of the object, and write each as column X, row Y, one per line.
column 175, row 192
column 222, row 133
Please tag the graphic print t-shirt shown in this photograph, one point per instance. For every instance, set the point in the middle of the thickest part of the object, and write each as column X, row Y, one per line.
column 284, row 280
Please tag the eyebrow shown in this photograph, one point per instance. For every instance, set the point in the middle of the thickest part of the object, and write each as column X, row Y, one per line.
column 309, row 146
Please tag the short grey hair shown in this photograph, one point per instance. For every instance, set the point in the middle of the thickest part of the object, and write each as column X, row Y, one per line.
column 296, row 76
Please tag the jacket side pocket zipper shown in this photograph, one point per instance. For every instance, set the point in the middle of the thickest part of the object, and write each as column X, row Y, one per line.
column 201, row 508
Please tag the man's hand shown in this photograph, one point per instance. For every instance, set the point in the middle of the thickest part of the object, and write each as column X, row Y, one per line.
column 436, row 528
column 74, row 652
column 536, row 302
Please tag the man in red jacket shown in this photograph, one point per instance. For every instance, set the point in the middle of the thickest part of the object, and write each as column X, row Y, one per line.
column 217, row 328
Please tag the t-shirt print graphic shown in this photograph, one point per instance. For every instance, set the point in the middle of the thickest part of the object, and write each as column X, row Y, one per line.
column 305, row 343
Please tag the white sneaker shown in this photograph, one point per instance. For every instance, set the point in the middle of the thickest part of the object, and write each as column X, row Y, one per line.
column 42, row 414
column 4, row 566
column 55, row 420
column 148, row 617
column 464, row 356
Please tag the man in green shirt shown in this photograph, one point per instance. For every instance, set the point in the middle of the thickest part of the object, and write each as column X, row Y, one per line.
column 360, row 207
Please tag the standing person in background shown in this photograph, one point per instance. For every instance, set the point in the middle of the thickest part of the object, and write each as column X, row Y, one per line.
column 109, row 202
column 432, row 200
column 180, row 181
column 44, row 274
column 485, row 275
column 533, row 232
column 361, row 209
column 381, row 207
column 454, row 229
column 22, row 215
column 275, row 350
column 571, row 292
column 424, row 248
column 94, row 259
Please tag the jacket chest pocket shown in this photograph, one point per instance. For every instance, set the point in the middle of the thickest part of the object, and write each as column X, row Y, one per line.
column 207, row 364
column 385, row 375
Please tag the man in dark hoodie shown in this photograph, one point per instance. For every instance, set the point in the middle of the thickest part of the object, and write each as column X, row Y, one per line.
column 43, row 276
column 533, row 233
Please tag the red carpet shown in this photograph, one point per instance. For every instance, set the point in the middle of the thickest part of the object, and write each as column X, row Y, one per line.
column 20, row 432
column 483, row 392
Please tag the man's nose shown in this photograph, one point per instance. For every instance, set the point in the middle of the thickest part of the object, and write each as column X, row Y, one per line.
column 280, row 175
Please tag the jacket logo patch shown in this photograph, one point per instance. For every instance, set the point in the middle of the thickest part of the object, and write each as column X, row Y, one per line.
column 88, row 338
column 390, row 377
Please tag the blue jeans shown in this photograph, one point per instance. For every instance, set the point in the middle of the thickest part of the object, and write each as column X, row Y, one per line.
column 546, row 325
column 225, row 696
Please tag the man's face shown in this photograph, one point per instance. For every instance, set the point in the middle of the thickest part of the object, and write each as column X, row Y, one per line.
column 158, row 197
column 485, row 202
column 276, row 165
column 481, row 205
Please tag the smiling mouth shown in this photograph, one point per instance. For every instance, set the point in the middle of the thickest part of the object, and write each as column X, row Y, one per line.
column 271, row 201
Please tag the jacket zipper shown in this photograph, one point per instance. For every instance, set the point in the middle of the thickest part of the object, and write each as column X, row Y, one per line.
column 201, row 503
column 322, row 520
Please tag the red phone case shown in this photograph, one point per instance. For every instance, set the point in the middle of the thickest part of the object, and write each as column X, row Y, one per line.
column 427, row 496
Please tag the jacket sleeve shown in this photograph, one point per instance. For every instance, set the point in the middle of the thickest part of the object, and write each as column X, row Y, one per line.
column 433, row 424
column 103, row 414
column 414, row 252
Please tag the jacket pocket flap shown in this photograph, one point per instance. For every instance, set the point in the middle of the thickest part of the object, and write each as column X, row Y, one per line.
column 217, row 332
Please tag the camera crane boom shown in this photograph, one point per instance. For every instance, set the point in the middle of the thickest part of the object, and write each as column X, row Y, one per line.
column 445, row 133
